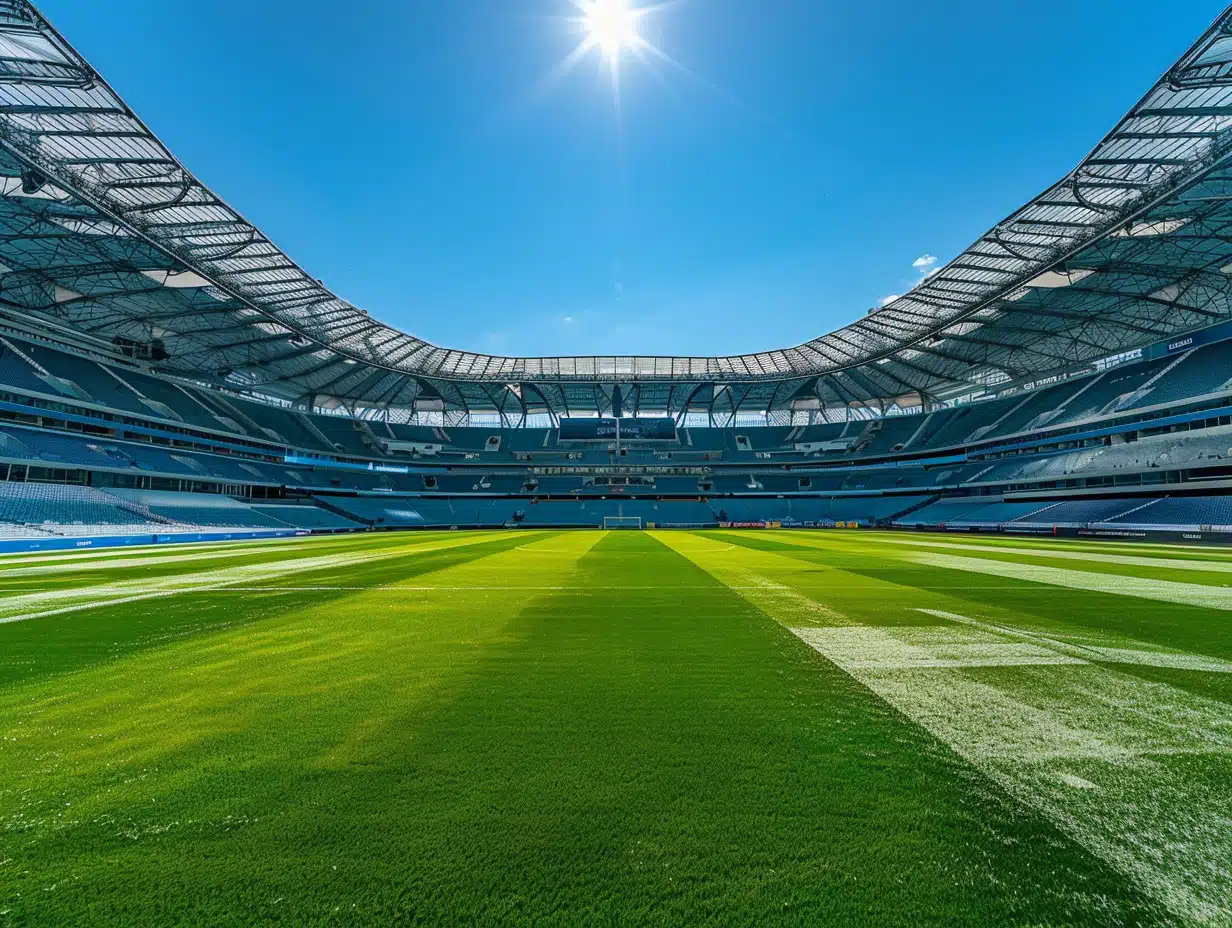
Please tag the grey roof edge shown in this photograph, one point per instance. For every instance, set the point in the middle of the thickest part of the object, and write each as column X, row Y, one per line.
column 44, row 99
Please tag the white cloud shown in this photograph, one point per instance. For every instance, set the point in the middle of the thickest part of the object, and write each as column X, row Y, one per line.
column 568, row 320
column 926, row 265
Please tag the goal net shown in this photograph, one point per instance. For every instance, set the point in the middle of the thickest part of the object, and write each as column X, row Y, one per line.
column 634, row 522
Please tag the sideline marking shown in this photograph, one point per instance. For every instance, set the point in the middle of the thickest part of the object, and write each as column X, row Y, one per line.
column 127, row 591
column 1167, row 563
column 1168, row 591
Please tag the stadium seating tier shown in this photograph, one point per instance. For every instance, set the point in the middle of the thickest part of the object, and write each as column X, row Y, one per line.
column 494, row 476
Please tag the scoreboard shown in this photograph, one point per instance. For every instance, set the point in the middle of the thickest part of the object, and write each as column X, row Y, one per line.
column 611, row 429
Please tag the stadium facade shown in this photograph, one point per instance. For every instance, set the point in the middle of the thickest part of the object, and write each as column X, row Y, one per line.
column 167, row 371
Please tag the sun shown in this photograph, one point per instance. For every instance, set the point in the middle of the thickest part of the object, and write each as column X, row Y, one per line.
column 611, row 25
column 612, row 31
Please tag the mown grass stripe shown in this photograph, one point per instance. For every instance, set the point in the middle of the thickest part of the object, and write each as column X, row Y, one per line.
column 637, row 744
column 56, row 646
column 1039, row 720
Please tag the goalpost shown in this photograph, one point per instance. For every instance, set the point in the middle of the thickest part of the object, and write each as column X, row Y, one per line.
column 626, row 522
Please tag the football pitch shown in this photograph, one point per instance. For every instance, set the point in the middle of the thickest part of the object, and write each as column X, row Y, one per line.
column 831, row 728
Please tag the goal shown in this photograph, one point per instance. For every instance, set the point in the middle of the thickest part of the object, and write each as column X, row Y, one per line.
column 628, row 522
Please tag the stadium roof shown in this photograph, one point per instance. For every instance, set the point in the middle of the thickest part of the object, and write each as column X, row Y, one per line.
column 103, row 231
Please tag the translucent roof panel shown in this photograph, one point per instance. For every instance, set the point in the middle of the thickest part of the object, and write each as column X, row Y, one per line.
column 109, row 234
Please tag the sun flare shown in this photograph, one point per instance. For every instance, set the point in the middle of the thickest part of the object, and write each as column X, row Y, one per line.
column 612, row 31
column 611, row 25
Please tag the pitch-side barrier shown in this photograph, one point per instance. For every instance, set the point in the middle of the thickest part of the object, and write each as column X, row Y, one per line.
column 60, row 543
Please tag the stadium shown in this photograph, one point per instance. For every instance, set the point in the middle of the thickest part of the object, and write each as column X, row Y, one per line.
column 307, row 620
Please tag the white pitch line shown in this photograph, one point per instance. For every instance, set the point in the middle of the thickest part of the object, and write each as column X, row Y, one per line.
column 1168, row 591
column 119, row 559
column 1086, row 745
column 1093, row 648
column 1168, row 563
column 860, row 647
column 31, row 606
column 975, row 542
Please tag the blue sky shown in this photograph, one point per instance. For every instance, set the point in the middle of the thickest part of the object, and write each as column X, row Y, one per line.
column 412, row 154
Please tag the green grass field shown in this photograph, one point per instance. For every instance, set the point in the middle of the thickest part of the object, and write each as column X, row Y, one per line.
column 831, row 728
